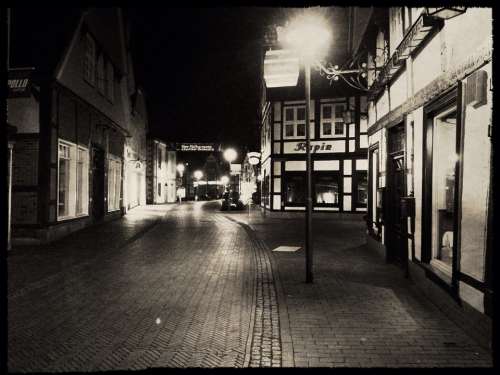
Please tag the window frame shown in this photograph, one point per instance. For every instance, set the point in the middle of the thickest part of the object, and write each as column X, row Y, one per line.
column 294, row 122
column 450, row 99
column 115, row 165
column 333, row 120
column 85, row 176
column 286, row 176
column 317, row 175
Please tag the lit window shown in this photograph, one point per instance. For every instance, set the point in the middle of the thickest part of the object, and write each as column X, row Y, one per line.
column 114, row 183
column 82, row 182
column 295, row 188
column 89, row 61
column 73, row 181
column 326, row 189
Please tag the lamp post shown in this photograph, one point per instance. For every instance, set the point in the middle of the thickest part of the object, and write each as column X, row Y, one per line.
column 308, row 35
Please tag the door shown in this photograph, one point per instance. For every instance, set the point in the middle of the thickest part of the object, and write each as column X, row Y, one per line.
column 396, row 239
column 97, row 183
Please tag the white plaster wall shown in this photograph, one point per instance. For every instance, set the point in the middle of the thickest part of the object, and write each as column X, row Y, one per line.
column 475, row 187
column 398, row 91
column 427, row 64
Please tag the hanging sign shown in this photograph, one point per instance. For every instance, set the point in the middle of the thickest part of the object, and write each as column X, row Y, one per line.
column 281, row 68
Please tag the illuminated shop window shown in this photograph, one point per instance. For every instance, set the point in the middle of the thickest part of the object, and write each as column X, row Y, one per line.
column 362, row 189
column 114, row 183
column 326, row 189
column 73, row 181
column 295, row 188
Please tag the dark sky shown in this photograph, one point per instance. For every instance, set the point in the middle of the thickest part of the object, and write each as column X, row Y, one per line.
column 200, row 70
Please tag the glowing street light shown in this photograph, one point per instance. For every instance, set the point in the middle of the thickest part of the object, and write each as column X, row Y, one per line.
column 180, row 169
column 230, row 155
column 309, row 36
column 198, row 174
column 224, row 180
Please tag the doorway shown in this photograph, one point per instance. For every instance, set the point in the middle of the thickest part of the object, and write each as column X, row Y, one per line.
column 97, row 183
column 395, row 225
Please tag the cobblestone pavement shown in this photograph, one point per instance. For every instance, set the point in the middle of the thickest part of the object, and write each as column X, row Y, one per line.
column 360, row 311
column 179, row 294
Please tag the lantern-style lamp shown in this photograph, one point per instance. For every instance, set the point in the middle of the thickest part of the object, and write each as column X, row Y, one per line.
column 446, row 13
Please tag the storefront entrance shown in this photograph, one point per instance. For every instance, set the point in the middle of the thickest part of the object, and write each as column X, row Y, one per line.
column 97, row 183
column 395, row 226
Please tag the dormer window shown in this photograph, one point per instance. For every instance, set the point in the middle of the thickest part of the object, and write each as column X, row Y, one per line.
column 89, row 60
column 110, row 92
column 100, row 74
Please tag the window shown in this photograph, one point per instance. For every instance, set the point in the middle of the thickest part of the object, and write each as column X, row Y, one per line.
column 295, row 188
column 89, row 60
column 362, row 189
column 159, row 189
column 82, row 181
column 73, row 181
column 101, row 78
column 332, row 120
column 159, row 157
column 443, row 186
column 114, row 183
column 326, row 189
column 295, row 122
column 110, row 82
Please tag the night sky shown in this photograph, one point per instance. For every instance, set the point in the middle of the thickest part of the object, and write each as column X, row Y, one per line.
column 200, row 71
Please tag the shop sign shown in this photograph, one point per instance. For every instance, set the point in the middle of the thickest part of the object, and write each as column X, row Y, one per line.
column 197, row 147
column 316, row 147
column 19, row 82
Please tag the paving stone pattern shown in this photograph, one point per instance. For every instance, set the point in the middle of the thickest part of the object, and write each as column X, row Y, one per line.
column 360, row 311
column 179, row 296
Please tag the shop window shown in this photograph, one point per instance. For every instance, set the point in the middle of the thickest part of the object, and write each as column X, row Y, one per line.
column 326, row 189
column 443, row 186
column 114, row 183
column 89, row 60
column 295, row 122
column 362, row 189
column 295, row 188
column 82, row 182
column 73, row 180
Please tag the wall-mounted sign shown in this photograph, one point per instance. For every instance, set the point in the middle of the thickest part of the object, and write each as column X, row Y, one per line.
column 197, row 147
column 19, row 82
column 317, row 147
column 253, row 158
column 281, row 68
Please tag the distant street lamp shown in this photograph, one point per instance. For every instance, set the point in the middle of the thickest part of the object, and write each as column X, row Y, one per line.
column 309, row 36
column 180, row 169
column 230, row 155
column 224, row 180
column 198, row 175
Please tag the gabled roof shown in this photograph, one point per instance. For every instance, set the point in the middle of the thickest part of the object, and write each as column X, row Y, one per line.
column 40, row 36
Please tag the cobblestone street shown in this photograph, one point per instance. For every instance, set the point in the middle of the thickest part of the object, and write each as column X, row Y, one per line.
column 189, row 286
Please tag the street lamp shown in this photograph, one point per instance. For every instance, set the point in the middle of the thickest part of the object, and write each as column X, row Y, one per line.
column 224, row 180
column 180, row 169
column 309, row 36
column 230, row 155
column 198, row 175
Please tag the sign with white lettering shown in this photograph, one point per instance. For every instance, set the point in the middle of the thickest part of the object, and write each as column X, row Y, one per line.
column 316, row 147
column 19, row 82
column 196, row 147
